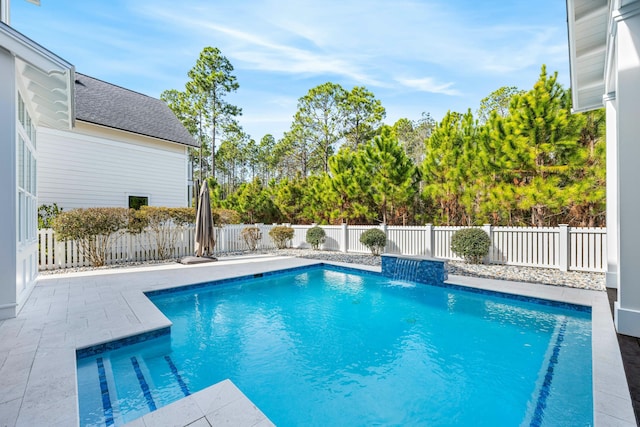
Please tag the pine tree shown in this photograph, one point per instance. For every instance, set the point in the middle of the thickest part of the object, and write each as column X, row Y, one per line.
column 391, row 174
column 543, row 148
column 347, row 189
column 443, row 168
column 587, row 192
column 287, row 195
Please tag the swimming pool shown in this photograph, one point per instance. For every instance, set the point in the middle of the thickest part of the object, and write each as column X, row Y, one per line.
column 330, row 346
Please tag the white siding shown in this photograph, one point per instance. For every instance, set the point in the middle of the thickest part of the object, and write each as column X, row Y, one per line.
column 95, row 166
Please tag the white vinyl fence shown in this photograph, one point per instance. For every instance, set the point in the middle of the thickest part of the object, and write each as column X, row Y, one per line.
column 563, row 247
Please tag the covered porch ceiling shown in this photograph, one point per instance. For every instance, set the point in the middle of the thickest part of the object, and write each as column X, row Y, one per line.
column 588, row 22
column 46, row 80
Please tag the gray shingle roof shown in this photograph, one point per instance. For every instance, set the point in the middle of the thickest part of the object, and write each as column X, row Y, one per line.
column 113, row 106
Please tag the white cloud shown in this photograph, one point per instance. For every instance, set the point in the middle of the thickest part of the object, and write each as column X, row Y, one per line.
column 364, row 42
column 428, row 84
column 257, row 51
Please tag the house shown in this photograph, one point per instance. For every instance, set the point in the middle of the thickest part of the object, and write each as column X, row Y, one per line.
column 70, row 139
column 604, row 53
column 125, row 149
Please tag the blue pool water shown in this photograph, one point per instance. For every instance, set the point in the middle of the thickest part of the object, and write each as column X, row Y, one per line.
column 322, row 346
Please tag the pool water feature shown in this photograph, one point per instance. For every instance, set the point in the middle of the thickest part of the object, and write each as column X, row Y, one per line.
column 327, row 346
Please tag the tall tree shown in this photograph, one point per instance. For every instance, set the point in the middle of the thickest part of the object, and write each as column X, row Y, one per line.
column 544, row 147
column 295, row 152
column 363, row 115
column 211, row 81
column 320, row 120
column 413, row 135
column 267, row 157
column 189, row 112
column 347, row 188
column 447, row 166
column 587, row 194
column 499, row 101
column 232, row 158
column 253, row 202
column 391, row 174
column 495, row 173
column 287, row 195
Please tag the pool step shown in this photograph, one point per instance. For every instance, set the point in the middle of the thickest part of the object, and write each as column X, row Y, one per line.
column 143, row 384
column 155, row 374
column 157, row 380
column 178, row 377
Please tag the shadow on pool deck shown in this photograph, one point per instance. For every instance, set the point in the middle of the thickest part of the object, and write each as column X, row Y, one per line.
column 630, row 350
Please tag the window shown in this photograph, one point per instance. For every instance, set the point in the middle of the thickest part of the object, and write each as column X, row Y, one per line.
column 26, row 179
column 136, row 202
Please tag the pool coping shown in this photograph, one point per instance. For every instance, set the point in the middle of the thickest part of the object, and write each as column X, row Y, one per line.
column 41, row 343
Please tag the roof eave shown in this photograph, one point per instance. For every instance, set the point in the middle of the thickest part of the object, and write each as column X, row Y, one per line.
column 55, row 74
column 587, row 90
column 191, row 145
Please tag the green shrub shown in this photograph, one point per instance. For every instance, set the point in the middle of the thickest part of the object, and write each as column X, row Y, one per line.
column 165, row 224
column 46, row 215
column 281, row 235
column 94, row 229
column 471, row 244
column 251, row 236
column 374, row 239
column 315, row 237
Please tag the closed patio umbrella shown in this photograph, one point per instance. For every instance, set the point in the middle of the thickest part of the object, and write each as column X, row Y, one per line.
column 204, row 239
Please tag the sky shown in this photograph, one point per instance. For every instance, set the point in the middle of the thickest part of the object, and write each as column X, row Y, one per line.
column 415, row 56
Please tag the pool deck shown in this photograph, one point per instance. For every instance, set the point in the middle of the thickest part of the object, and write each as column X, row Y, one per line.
column 69, row 311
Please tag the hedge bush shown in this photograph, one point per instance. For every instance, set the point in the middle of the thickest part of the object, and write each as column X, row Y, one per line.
column 165, row 224
column 374, row 239
column 281, row 235
column 95, row 229
column 471, row 244
column 251, row 236
column 315, row 237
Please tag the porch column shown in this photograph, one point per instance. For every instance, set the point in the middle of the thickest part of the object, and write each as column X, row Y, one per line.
column 612, row 190
column 8, row 191
column 627, row 308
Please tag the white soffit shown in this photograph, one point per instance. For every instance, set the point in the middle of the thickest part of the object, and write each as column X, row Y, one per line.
column 587, row 22
column 46, row 80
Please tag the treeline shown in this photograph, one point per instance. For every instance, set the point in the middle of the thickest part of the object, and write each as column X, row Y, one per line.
column 522, row 159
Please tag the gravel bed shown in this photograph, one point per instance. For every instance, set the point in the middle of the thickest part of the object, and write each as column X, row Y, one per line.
column 548, row 276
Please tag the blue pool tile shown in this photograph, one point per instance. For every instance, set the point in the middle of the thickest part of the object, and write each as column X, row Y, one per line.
column 104, row 391
column 541, row 403
column 97, row 349
column 176, row 374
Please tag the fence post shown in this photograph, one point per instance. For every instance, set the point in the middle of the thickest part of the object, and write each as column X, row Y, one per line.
column 344, row 238
column 489, row 230
column 383, row 227
column 429, row 240
column 223, row 239
column 564, row 247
